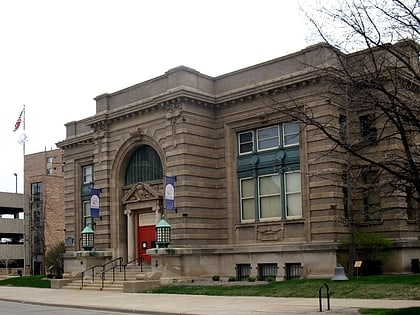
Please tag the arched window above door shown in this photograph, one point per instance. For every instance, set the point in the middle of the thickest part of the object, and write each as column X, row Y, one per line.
column 144, row 166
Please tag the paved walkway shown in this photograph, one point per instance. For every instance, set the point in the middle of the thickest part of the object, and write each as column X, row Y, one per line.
column 189, row 304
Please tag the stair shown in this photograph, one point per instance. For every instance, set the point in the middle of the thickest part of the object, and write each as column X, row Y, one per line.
column 132, row 272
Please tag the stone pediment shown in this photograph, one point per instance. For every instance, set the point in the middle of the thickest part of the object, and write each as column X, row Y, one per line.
column 141, row 192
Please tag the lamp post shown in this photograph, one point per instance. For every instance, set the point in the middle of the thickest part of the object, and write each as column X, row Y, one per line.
column 88, row 238
column 15, row 181
column 163, row 234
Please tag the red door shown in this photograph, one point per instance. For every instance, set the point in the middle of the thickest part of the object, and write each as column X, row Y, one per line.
column 147, row 237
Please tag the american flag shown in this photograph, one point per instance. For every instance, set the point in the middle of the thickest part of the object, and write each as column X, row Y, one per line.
column 18, row 122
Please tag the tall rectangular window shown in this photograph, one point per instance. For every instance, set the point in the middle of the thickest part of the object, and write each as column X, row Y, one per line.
column 291, row 133
column 87, row 174
column 293, row 194
column 371, row 196
column 87, row 217
column 368, row 130
column 269, row 195
column 36, row 194
column 247, row 199
column 246, row 142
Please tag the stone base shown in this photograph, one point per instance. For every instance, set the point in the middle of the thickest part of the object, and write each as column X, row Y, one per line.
column 140, row 286
column 59, row 283
column 76, row 262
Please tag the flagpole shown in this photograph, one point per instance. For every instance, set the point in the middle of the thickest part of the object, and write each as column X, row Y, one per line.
column 24, row 121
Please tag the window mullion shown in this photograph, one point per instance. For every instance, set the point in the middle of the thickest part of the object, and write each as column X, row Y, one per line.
column 282, row 194
column 256, row 197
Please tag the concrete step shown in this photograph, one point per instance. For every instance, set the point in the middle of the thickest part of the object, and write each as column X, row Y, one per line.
column 111, row 282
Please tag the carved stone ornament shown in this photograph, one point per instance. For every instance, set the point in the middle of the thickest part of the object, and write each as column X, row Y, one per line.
column 270, row 233
column 141, row 192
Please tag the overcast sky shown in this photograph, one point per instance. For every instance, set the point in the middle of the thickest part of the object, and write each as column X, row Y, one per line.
column 57, row 55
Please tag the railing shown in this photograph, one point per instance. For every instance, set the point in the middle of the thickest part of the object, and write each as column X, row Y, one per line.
column 105, row 270
column 320, row 296
column 103, row 267
column 140, row 259
column 85, row 272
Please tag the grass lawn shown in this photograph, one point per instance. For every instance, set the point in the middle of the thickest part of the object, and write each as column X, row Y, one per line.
column 405, row 287
column 27, row 281
column 401, row 311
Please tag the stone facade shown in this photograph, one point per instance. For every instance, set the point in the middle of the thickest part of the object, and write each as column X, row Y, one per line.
column 193, row 123
column 44, row 184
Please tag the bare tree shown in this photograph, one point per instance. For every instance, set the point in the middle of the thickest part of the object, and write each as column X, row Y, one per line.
column 373, row 79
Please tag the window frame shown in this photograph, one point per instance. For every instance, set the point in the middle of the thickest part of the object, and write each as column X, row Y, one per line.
column 241, row 180
column 243, row 143
column 288, row 193
column 368, row 130
column 278, row 137
column 86, row 175
column 260, row 197
column 296, row 134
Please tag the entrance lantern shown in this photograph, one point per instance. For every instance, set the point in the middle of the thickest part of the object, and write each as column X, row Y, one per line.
column 88, row 238
column 163, row 234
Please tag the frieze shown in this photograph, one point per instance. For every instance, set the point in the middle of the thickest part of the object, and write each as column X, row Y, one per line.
column 143, row 192
column 270, row 233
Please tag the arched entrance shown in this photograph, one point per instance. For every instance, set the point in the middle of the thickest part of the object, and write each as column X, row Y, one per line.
column 142, row 201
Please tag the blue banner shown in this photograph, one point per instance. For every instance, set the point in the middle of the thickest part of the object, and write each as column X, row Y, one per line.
column 170, row 192
column 94, row 202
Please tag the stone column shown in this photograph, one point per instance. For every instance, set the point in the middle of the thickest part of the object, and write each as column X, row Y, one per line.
column 131, row 254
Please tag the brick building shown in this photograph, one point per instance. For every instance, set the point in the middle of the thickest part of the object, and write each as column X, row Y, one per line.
column 257, row 193
column 44, row 185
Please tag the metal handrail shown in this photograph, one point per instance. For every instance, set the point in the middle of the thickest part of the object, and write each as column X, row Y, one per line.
column 104, row 271
column 112, row 261
column 82, row 275
column 141, row 259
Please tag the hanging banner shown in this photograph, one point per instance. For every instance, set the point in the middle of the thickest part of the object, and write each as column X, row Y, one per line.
column 170, row 192
column 94, row 202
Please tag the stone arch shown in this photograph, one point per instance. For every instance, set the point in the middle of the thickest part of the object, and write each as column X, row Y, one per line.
column 118, row 216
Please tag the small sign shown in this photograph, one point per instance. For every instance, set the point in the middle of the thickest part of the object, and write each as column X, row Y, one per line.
column 358, row 264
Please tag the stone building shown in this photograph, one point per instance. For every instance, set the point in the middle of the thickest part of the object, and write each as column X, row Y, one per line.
column 44, row 182
column 256, row 192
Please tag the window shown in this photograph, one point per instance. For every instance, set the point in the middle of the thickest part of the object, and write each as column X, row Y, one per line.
column 293, row 195
column 269, row 195
column 246, row 142
column 268, row 168
column 292, row 271
column 243, row 271
column 247, row 199
column 371, row 196
column 50, row 159
column 87, row 217
column 268, row 138
column 367, row 128
column 267, row 271
column 144, row 166
column 290, row 134
column 413, row 204
column 87, row 174
column 36, row 195
column 273, row 191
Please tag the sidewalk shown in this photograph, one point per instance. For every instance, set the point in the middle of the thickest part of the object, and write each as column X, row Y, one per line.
column 189, row 304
